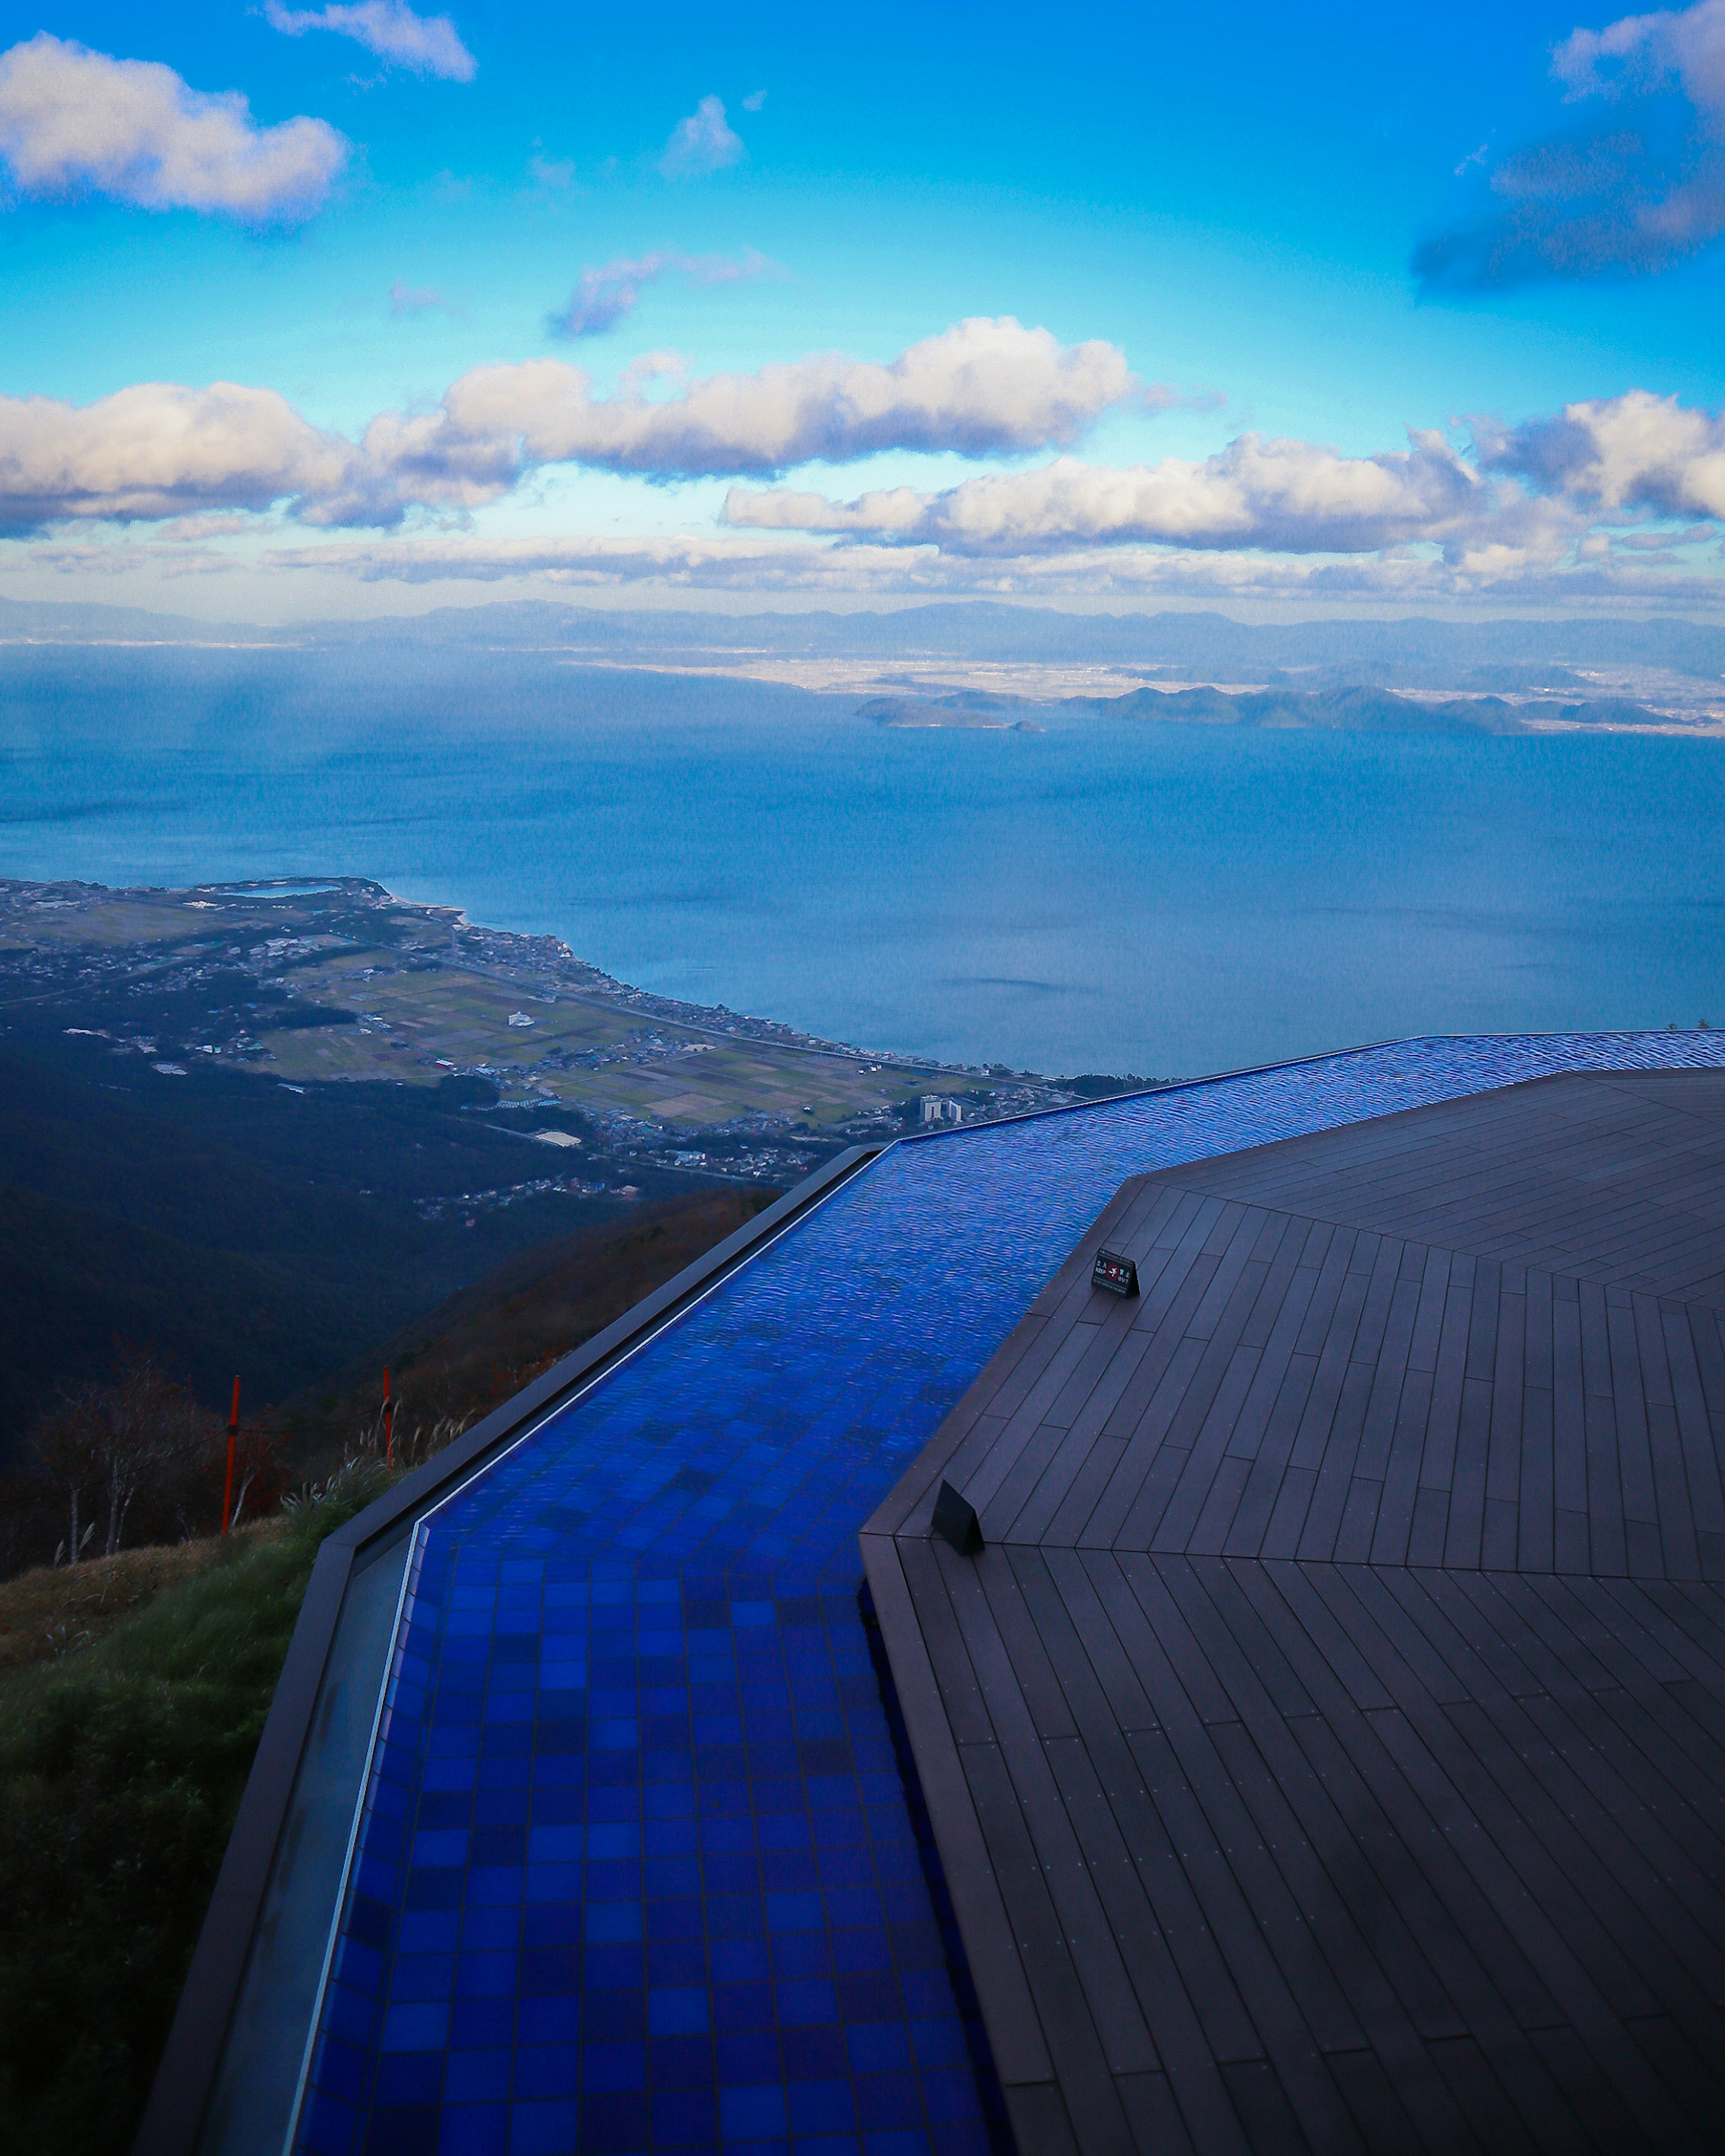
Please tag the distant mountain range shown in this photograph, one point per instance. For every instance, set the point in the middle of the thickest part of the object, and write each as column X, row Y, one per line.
column 1504, row 657
column 1332, row 710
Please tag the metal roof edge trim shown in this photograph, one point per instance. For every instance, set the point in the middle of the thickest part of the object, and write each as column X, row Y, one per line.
column 185, row 2077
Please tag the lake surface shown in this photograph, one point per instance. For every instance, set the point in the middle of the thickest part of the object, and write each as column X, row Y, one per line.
column 1103, row 895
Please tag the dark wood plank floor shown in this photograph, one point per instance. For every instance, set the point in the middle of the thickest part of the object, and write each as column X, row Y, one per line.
column 1328, row 1747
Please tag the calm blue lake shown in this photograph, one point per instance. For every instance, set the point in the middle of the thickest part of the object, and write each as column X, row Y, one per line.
column 1101, row 896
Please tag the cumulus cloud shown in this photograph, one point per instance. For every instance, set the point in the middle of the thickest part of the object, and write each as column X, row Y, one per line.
column 605, row 294
column 1638, row 193
column 428, row 45
column 74, row 121
column 980, row 387
column 705, row 142
column 153, row 450
column 1290, row 497
column 158, row 450
column 1634, row 452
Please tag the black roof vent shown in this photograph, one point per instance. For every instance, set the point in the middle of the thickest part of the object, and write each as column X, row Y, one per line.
column 955, row 1520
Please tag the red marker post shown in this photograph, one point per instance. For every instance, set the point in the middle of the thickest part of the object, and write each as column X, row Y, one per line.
column 233, row 1434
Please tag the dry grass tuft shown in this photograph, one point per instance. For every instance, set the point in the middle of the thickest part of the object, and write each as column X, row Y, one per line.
column 57, row 1610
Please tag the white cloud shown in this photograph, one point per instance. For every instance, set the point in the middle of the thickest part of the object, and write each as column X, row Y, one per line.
column 154, row 449
column 756, row 102
column 1634, row 452
column 605, row 294
column 1284, row 495
column 73, row 121
column 160, row 450
column 428, row 45
column 1646, row 51
column 705, row 142
column 979, row 387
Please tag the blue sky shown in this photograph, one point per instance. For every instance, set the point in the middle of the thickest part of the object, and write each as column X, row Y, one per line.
column 1275, row 309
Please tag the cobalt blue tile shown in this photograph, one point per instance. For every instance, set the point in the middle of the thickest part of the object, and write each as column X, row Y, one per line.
column 612, row 2066
column 815, row 2053
column 327, row 2126
column 685, row 2118
column 883, row 2100
column 474, row 2129
column 876, row 2046
column 546, row 2021
column 821, row 2106
column 871, row 1996
column 489, row 1929
column 742, row 2006
column 408, row 2078
column 550, row 1969
column 608, row 1921
column 866, row 1948
column 614, row 2017
column 680, row 2062
column 951, row 2097
column 418, row 2026
column 476, row 2023
column 342, row 2069
column 663, row 1877
column 808, row 2000
column 350, row 2017
column 681, row 1917
column 422, row 1976
column 612, row 2124
column 745, row 2057
column 542, row 2071
column 684, row 2011
column 478, row 2077
column 802, row 1954
column 671, row 1961
column 402, row 2131
column 753, row 2114
column 543, row 2129
column 611, row 1966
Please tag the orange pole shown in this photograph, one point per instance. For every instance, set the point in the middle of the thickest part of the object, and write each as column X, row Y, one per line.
column 233, row 1433
column 388, row 1424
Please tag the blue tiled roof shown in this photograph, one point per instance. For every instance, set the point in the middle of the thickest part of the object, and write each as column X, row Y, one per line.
column 641, row 1863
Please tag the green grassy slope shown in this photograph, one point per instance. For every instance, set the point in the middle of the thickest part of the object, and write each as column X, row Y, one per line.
column 120, row 1770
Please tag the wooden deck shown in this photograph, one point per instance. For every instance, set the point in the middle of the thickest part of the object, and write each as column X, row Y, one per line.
column 1328, row 1748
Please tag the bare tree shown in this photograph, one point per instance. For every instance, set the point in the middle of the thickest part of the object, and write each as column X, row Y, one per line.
column 65, row 1452
column 104, row 1445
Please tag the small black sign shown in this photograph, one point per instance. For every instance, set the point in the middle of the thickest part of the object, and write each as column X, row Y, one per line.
column 955, row 1521
column 1118, row 1275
